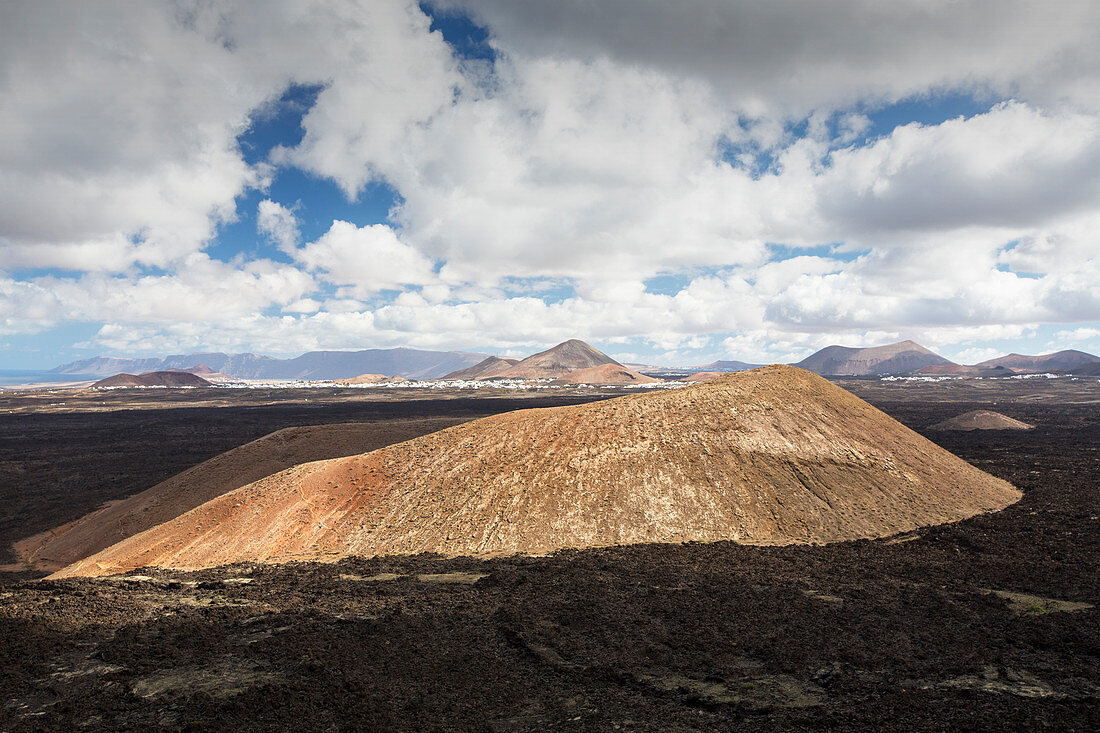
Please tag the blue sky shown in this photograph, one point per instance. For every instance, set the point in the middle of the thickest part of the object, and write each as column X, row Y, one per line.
column 499, row 177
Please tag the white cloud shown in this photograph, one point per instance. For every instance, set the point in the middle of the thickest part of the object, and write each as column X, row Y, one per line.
column 88, row 184
column 535, row 201
column 392, row 77
column 1078, row 334
column 202, row 291
column 121, row 121
column 365, row 259
column 278, row 224
column 976, row 355
column 1014, row 166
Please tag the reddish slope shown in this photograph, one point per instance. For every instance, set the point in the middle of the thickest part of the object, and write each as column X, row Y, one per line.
column 282, row 449
column 771, row 456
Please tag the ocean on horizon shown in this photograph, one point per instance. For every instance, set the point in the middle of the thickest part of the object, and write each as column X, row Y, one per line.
column 16, row 377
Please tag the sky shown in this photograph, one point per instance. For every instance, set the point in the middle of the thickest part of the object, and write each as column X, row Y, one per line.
column 672, row 182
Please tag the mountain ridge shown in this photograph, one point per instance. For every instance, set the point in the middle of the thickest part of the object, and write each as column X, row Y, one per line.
column 903, row 357
column 1064, row 360
column 403, row 362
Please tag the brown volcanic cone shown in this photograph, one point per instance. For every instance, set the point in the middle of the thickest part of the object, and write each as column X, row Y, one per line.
column 568, row 356
column 282, row 449
column 607, row 374
column 981, row 420
column 488, row 368
column 370, row 379
column 770, row 456
column 154, row 379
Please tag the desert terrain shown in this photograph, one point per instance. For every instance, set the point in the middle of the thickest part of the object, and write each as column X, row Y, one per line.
column 986, row 624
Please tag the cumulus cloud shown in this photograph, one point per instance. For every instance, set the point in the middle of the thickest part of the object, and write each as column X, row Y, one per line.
column 201, row 291
column 1079, row 334
column 606, row 144
column 278, row 224
column 392, row 77
column 121, row 121
column 1014, row 166
column 364, row 260
column 90, row 185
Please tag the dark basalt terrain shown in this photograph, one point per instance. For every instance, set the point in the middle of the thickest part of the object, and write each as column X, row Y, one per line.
column 988, row 624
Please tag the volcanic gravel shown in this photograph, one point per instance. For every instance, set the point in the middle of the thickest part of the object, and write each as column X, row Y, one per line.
column 989, row 624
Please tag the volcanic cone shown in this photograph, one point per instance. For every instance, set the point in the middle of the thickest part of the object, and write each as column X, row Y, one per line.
column 770, row 456
column 982, row 420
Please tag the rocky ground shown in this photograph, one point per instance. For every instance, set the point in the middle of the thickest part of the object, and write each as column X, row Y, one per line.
column 989, row 624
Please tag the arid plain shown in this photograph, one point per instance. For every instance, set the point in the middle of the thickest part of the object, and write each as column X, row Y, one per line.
column 970, row 624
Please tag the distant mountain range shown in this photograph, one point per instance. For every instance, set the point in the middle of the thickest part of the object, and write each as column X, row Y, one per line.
column 1067, row 360
column 408, row 363
column 908, row 357
column 904, row 357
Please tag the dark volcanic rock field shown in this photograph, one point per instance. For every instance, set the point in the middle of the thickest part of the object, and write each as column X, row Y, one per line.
column 990, row 624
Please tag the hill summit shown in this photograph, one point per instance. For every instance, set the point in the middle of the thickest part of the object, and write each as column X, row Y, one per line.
column 903, row 357
column 170, row 378
column 488, row 368
column 770, row 456
column 1066, row 360
column 982, row 420
column 566, row 357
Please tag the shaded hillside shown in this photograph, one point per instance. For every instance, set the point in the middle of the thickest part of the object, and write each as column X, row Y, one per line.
column 1066, row 360
column 903, row 357
column 1087, row 370
column 771, row 456
column 702, row 376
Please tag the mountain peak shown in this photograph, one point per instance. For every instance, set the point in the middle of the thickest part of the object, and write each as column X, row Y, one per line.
column 557, row 361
